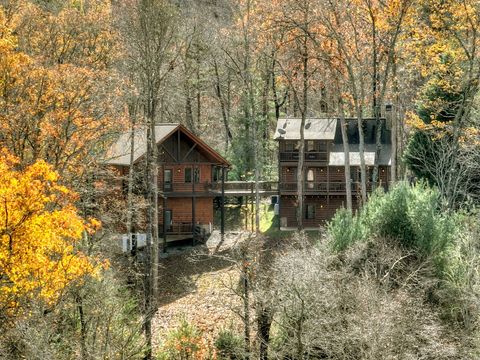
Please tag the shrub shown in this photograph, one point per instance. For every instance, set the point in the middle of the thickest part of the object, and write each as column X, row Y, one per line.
column 345, row 229
column 408, row 214
column 185, row 343
column 229, row 345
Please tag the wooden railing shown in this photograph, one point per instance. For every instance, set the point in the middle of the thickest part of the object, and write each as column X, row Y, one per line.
column 245, row 186
column 177, row 228
column 309, row 156
column 185, row 187
column 327, row 187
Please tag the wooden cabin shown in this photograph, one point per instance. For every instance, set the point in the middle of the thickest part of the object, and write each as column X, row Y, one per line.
column 325, row 186
column 187, row 168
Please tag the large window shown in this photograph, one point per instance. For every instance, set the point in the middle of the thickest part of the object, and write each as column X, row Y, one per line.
column 291, row 146
column 310, row 179
column 188, row 175
column 167, row 180
column 323, row 146
column 310, row 212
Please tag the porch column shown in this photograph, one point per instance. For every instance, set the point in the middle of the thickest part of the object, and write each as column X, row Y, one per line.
column 222, row 205
column 193, row 203
column 164, row 224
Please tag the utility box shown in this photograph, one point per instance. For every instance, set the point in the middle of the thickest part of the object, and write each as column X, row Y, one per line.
column 274, row 199
column 276, row 209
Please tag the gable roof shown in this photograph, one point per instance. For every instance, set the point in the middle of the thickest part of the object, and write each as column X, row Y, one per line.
column 315, row 129
column 119, row 152
column 369, row 132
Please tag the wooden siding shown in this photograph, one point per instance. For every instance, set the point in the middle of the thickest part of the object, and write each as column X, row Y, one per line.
column 325, row 208
column 182, row 210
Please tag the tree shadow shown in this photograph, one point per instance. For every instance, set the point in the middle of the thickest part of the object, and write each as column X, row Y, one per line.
column 179, row 272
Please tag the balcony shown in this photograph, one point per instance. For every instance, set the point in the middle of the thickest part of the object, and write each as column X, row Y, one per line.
column 334, row 187
column 186, row 188
column 177, row 228
column 309, row 156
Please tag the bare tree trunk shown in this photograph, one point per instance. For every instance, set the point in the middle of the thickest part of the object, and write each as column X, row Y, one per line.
column 301, row 157
column 218, row 92
column 346, row 152
column 133, row 115
column 394, row 118
column 83, row 328
column 264, row 323
column 246, row 304
column 257, row 176
column 361, row 150
column 148, row 308
column 251, row 113
column 375, row 103
column 154, row 205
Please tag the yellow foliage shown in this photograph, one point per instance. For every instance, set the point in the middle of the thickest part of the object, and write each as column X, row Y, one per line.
column 38, row 230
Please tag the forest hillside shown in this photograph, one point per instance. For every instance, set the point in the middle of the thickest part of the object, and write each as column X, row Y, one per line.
column 249, row 179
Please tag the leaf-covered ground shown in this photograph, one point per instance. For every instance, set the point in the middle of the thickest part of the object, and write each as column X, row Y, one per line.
column 198, row 284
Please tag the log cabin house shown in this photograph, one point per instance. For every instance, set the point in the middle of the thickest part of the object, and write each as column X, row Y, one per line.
column 325, row 186
column 187, row 167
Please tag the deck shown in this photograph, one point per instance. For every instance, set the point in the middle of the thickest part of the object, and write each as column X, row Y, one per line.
column 245, row 188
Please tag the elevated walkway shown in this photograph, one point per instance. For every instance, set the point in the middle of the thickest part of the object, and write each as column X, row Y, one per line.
column 245, row 188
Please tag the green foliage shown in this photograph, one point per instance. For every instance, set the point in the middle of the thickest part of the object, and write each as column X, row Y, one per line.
column 99, row 319
column 229, row 345
column 421, row 153
column 345, row 229
column 460, row 291
column 408, row 214
column 185, row 343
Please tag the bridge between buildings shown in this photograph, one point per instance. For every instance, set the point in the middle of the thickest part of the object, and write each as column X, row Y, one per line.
column 245, row 188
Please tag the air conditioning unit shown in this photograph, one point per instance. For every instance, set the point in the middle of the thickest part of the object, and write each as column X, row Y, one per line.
column 140, row 239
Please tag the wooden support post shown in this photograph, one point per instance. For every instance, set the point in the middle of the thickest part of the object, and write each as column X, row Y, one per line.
column 193, row 204
column 280, row 181
column 178, row 145
column 164, row 247
column 222, row 205
column 252, row 214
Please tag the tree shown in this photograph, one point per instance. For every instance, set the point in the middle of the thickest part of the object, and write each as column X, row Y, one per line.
column 57, row 100
column 296, row 25
column 446, row 49
column 39, row 229
column 150, row 33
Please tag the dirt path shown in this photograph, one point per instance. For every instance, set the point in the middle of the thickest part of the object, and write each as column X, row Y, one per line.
column 196, row 284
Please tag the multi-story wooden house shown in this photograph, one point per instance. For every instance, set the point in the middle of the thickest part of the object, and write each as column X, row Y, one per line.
column 187, row 167
column 325, row 185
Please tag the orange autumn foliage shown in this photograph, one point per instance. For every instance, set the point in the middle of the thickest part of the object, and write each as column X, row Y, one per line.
column 39, row 227
column 58, row 95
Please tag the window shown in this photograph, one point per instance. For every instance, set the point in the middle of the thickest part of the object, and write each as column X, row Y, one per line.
column 216, row 173
column 292, row 146
column 323, row 147
column 310, row 179
column 310, row 175
column 310, row 145
column 188, row 175
column 167, row 180
column 310, row 212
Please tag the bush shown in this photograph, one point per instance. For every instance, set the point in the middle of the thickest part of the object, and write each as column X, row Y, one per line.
column 345, row 229
column 185, row 343
column 229, row 345
column 408, row 214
